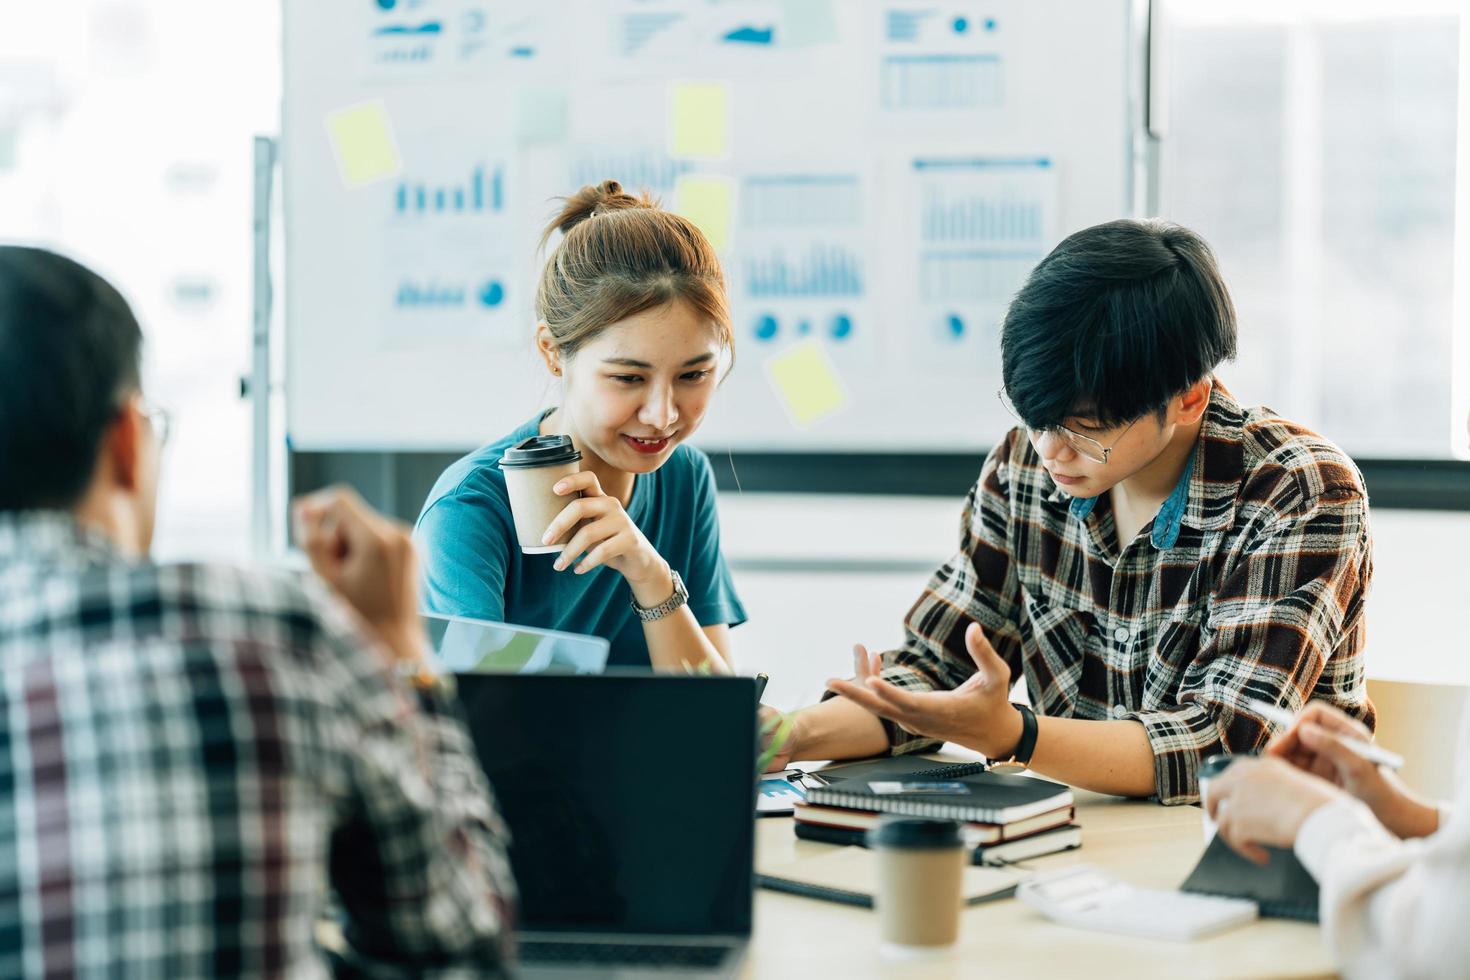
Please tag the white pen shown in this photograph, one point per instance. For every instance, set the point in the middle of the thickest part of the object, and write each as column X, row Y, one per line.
column 1373, row 753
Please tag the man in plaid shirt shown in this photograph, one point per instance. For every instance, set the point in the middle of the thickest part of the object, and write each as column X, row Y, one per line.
column 191, row 756
column 1149, row 555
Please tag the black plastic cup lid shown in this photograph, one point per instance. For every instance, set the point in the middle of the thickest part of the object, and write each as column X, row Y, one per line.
column 912, row 833
column 540, row 451
column 1214, row 765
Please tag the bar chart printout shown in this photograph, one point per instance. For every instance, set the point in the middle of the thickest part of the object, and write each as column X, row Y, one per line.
column 449, row 274
column 981, row 225
column 481, row 192
column 802, row 271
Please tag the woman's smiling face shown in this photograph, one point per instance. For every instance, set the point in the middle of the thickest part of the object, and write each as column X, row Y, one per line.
column 642, row 386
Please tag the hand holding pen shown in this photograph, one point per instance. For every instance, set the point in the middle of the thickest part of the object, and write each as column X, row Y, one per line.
column 1326, row 742
column 1313, row 726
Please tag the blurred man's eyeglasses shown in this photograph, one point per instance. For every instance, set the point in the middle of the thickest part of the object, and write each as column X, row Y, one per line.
column 1084, row 446
column 159, row 419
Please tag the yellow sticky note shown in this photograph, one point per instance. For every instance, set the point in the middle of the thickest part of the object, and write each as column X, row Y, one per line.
column 706, row 202
column 362, row 139
column 806, row 382
column 699, row 117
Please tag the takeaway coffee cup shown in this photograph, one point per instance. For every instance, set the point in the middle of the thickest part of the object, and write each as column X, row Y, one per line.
column 920, row 867
column 532, row 467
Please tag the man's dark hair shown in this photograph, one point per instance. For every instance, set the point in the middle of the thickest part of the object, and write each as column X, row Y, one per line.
column 1118, row 319
column 69, row 354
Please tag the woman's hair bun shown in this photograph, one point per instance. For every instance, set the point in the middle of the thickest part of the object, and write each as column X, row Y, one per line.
column 621, row 254
column 593, row 200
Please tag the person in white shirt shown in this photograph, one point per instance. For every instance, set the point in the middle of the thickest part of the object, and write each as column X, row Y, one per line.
column 1394, row 870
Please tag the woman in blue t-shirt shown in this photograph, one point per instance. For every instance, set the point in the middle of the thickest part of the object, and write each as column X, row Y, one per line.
column 635, row 323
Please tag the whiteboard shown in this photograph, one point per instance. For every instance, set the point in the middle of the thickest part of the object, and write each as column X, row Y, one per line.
column 879, row 177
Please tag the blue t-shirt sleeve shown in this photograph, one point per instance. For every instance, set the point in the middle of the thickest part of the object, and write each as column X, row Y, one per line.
column 462, row 540
column 712, row 596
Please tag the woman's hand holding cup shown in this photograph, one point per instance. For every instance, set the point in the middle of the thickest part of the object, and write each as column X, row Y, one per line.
column 606, row 535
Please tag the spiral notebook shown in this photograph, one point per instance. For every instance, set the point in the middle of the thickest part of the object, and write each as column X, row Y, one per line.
column 945, row 793
column 1283, row 888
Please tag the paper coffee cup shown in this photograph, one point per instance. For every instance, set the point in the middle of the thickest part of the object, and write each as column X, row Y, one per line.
column 921, row 865
column 532, row 467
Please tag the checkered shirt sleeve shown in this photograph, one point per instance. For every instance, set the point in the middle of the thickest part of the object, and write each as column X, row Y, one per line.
column 1287, row 626
column 420, row 867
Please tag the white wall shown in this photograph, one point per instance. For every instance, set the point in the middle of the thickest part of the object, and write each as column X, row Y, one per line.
column 818, row 574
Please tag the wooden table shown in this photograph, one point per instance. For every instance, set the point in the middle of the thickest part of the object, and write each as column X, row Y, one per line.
column 1143, row 843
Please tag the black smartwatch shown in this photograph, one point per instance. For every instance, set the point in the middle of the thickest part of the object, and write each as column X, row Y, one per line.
column 1020, row 759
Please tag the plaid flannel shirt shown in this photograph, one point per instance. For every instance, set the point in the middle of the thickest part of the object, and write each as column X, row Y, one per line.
column 192, row 756
column 1249, row 583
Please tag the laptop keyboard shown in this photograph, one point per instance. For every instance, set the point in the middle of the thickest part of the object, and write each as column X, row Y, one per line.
column 623, row 954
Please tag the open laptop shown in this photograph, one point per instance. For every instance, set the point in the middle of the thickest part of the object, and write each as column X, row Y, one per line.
column 629, row 801
column 463, row 645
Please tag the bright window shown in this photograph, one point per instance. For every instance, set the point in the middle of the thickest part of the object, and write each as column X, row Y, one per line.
column 125, row 142
column 1314, row 145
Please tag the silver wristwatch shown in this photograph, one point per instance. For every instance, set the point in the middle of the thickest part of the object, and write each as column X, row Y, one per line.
column 679, row 598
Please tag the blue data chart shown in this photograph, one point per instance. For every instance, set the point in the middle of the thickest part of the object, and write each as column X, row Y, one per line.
column 982, row 224
column 997, row 202
column 407, row 54
column 769, row 327
column 949, row 217
column 405, row 30
column 906, row 25
column 823, row 270
column 429, row 294
column 952, row 327
column 942, row 81
column 637, row 171
column 492, row 294
column 457, row 296
column 801, row 201
column 402, row 36
column 973, row 276
column 482, row 193
column 977, row 328
column 751, row 35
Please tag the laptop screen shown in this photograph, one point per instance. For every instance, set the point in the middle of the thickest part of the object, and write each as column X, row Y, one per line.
column 630, row 799
column 461, row 645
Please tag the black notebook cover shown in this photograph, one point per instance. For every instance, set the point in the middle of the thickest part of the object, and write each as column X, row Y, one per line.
column 1283, row 888
column 898, row 767
column 989, row 797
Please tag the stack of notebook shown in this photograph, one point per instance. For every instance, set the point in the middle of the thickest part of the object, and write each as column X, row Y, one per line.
column 1007, row 818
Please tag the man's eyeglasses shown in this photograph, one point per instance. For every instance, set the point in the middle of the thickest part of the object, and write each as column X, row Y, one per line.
column 1084, row 446
column 159, row 419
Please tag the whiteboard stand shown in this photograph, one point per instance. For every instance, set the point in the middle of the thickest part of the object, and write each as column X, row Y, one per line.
column 257, row 385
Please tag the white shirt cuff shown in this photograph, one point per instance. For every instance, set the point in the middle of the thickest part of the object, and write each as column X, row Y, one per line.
column 1332, row 825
